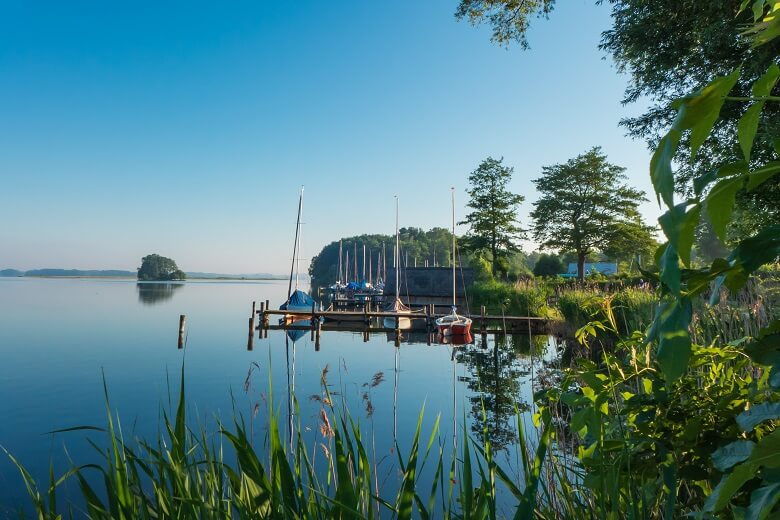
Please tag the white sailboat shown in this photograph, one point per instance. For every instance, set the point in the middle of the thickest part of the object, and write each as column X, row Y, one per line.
column 297, row 300
column 453, row 324
column 397, row 306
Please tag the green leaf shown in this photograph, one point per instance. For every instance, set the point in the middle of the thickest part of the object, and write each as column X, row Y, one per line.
column 661, row 167
column 674, row 345
column 758, row 10
column 728, row 487
column 720, row 204
column 732, row 454
column 670, row 269
column 699, row 112
column 760, row 176
column 767, row 451
column 748, row 123
column 679, row 228
column 749, row 419
column 760, row 249
column 762, row 500
column 748, row 127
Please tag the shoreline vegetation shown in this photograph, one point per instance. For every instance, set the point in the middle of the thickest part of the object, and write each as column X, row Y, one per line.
column 668, row 403
column 111, row 273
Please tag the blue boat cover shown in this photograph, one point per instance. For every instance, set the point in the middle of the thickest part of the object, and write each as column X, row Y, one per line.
column 296, row 334
column 298, row 299
column 353, row 286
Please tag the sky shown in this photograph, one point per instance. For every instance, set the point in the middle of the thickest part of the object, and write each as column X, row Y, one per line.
column 188, row 128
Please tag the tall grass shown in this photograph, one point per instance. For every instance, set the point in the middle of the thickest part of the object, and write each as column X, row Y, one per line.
column 633, row 308
column 187, row 473
column 524, row 298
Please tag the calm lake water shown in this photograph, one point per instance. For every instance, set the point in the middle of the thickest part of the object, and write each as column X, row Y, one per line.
column 58, row 337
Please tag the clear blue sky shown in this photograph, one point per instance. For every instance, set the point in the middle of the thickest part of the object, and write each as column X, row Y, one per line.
column 186, row 128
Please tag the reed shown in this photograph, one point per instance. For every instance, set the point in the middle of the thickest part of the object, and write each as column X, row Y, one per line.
column 193, row 473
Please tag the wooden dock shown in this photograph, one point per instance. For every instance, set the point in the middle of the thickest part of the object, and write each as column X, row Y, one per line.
column 422, row 319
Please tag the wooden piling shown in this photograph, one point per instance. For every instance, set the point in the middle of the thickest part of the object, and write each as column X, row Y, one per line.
column 482, row 319
column 182, row 321
column 251, row 341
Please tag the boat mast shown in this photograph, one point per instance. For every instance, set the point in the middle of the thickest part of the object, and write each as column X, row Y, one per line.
column 397, row 252
column 453, row 249
column 300, row 232
column 340, row 264
column 295, row 246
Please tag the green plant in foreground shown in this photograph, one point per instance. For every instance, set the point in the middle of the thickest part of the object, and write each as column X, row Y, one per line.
column 186, row 474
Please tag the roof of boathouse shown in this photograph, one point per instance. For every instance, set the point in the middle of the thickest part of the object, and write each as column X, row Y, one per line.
column 605, row 268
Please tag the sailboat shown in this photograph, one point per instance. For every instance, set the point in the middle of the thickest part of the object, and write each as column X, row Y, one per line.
column 297, row 300
column 453, row 324
column 397, row 306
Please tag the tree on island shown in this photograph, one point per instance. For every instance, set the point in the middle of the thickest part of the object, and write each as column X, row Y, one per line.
column 585, row 206
column 159, row 268
column 493, row 222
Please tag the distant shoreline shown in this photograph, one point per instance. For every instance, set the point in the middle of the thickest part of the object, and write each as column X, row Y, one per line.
column 189, row 279
column 128, row 275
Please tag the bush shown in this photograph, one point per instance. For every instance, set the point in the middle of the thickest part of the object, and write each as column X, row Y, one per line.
column 548, row 265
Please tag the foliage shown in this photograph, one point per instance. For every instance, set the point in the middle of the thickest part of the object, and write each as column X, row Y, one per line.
column 519, row 299
column 548, row 265
column 653, row 448
column 632, row 308
column 156, row 267
column 417, row 246
column 584, row 206
column 700, row 40
column 670, row 48
column 493, row 219
column 508, row 18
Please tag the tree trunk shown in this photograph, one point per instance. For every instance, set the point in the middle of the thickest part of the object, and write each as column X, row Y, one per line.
column 581, row 266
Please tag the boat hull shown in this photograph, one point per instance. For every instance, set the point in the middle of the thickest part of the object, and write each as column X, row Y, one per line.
column 403, row 323
column 453, row 326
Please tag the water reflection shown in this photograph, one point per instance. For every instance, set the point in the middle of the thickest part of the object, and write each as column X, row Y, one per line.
column 496, row 372
column 150, row 293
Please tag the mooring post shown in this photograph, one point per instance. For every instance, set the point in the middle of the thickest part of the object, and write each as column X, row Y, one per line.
column 317, row 337
column 251, row 341
column 365, row 312
column 182, row 320
column 482, row 319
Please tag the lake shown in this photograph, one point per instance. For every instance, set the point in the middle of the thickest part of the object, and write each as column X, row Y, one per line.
column 59, row 337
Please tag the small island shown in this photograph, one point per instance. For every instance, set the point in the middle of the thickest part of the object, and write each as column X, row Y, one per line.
column 159, row 268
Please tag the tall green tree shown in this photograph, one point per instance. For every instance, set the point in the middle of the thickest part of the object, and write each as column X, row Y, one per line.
column 585, row 206
column 670, row 48
column 493, row 221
